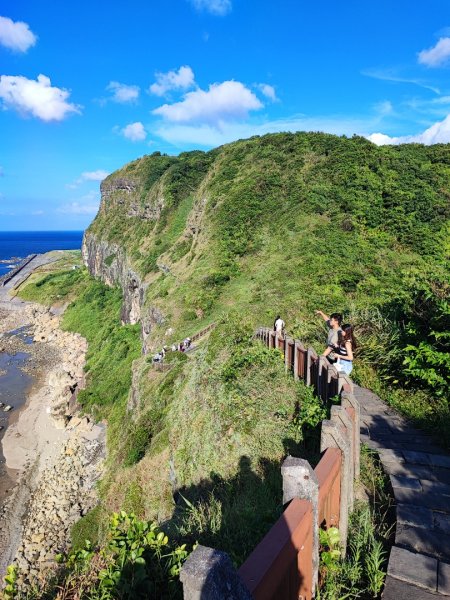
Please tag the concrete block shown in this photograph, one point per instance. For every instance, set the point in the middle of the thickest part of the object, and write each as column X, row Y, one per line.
column 441, row 521
column 349, row 401
column 394, row 589
column 209, row 574
column 406, row 482
column 334, row 436
column 415, row 569
column 417, row 458
column 436, row 487
column 440, row 460
column 340, row 417
column 426, row 541
column 300, row 481
column 433, row 501
column 418, row 516
column 444, row 579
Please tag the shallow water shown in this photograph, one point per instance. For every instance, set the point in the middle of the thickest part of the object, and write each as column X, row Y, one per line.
column 14, row 385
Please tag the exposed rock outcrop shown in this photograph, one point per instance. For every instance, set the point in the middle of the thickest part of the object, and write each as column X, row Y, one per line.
column 109, row 262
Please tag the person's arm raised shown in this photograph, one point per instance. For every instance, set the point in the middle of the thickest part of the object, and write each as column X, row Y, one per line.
column 323, row 315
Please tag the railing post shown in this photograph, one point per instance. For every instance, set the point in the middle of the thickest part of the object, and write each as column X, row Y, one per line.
column 296, row 359
column 300, row 481
column 348, row 400
column 209, row 574
column 311, row 356
column 340, row 416
column 335, row 436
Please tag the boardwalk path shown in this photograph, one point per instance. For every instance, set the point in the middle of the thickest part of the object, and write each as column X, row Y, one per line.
column 419, row 564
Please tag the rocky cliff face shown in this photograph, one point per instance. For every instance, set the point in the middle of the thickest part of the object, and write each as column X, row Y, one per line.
column 110, row 263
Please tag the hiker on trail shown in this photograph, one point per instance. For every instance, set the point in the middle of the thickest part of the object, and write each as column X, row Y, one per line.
column 334, row 322
column 279, row 326
column 344, row 350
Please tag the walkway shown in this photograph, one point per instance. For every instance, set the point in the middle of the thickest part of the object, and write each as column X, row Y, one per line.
column 419, row 564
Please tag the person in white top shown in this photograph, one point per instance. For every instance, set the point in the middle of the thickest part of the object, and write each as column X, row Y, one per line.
column 279, row 325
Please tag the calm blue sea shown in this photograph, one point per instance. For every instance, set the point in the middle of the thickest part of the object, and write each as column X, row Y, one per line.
column 18, row 244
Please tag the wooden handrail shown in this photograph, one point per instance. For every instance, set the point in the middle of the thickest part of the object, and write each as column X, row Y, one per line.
column 328, row 473
column 283, row 557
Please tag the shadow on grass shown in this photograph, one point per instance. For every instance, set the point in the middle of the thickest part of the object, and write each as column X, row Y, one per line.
column 234, row 514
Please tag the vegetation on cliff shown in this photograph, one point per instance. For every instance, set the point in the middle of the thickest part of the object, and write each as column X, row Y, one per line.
column 286, row 223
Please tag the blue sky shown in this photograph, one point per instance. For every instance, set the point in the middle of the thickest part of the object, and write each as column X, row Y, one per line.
column 87, row 87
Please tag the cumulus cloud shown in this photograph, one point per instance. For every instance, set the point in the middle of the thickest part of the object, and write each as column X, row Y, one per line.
column 436, row 56
column 183, row 79
column 134, row 132
column 438, row 133
column 16, row 35
column 225, row 101
column 86, row 205
column 37, row 98
column 268, row 91
column 123, row 93
column 214, row 7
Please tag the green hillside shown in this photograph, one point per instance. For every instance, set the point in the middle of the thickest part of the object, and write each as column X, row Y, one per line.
column 282, row 224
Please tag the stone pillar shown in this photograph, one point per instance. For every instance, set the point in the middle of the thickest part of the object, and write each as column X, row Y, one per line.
column 300, row 481
column 335, row 436
column 348, row 400
column 345, row 383
column 209, row 574
column 340, row 416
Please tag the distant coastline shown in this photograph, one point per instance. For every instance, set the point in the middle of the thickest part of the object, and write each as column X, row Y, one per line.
column 16, row 245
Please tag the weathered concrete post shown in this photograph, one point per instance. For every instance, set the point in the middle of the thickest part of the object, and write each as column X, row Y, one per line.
column 209, row 574
column 348, row 400
column 340, row 416
column 335, row 436
column 300, row 481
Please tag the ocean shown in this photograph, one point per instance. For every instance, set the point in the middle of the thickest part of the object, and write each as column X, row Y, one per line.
column 15, row 245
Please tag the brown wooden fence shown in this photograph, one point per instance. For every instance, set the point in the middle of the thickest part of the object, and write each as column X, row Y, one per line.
column 284, row 565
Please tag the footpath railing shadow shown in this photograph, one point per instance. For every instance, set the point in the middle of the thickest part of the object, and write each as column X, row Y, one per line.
column 284, row 565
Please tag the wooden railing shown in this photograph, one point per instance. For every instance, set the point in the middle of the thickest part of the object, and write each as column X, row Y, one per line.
column 284, row 565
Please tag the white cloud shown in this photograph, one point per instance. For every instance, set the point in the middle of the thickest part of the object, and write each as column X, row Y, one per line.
column 134, row 132
column 268, row 91
column 208, row 135
column 123, row 93
column 98, row 175
column 437, row 55
column 37, row 98
column 391, row 75
column 225, row 101
column 182, row 79
column 86, row 205
column 214, row 7
column 37, row 213
column 438, row 133
column 16, row 35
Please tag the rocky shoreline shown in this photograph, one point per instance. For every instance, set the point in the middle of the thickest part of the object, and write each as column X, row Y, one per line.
column 57, row 453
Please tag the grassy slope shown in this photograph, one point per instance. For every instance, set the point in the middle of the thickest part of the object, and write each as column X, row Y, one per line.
column 291, row 223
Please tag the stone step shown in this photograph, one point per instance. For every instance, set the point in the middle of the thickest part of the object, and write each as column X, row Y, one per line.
column 432, row 542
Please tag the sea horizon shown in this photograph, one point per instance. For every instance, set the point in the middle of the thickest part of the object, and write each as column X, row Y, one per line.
column 16, row 245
